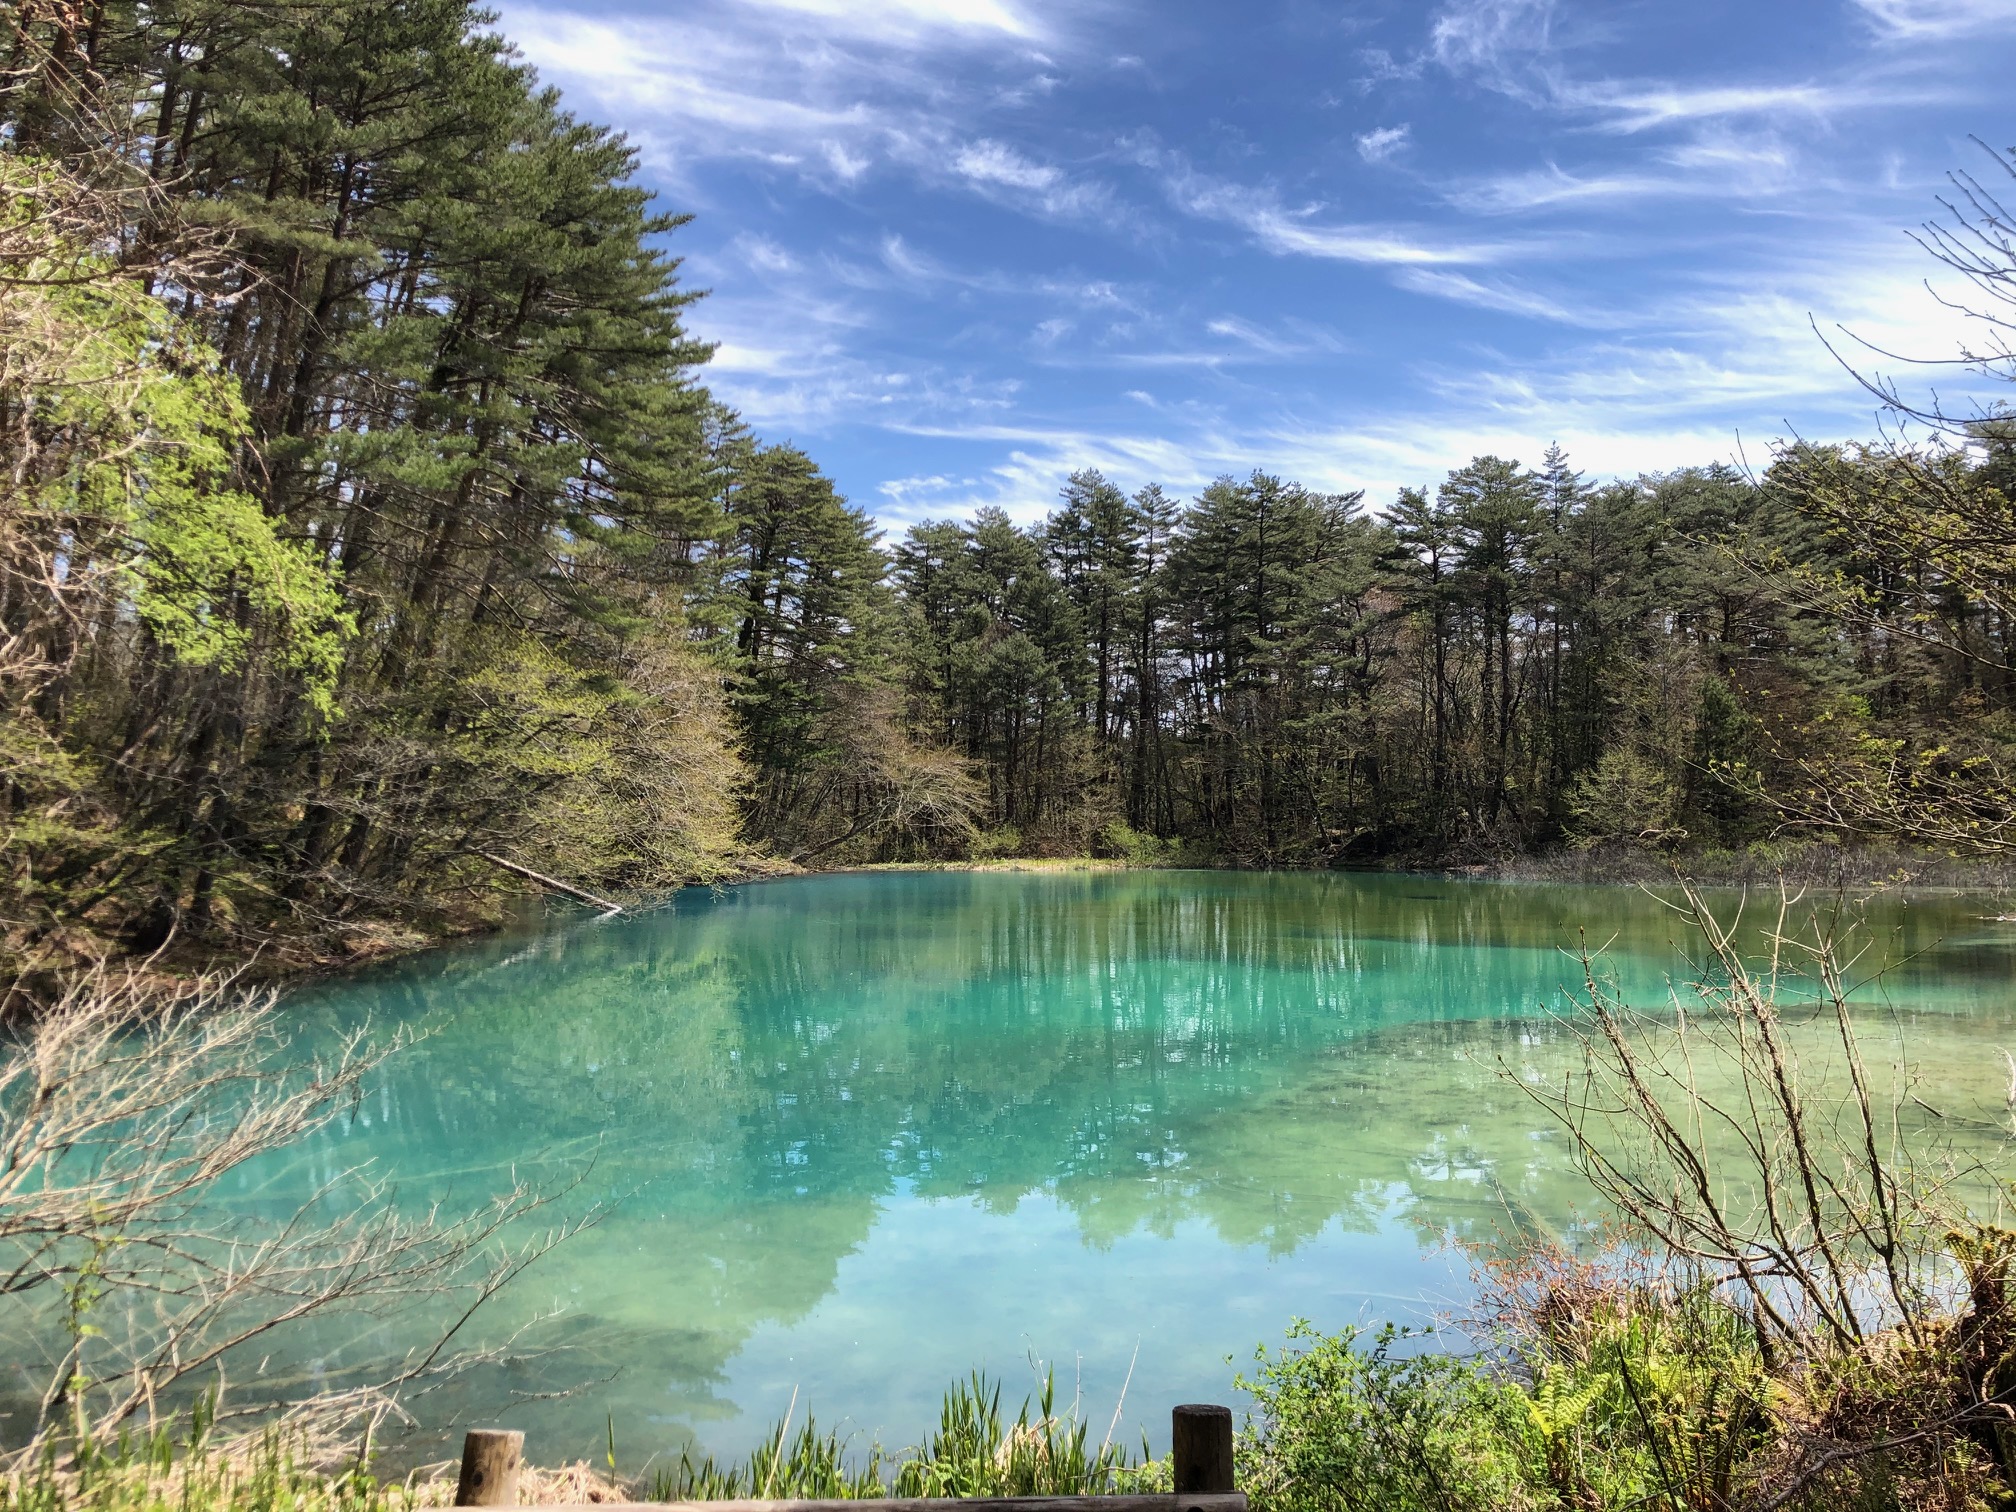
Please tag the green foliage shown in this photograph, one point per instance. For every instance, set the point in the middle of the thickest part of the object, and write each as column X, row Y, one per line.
column 152, row 426
column 1128, row 844
column 393, row 539
column 156, row 1472
column 998, row 844
column 1345, row 1422
column 976, row 1451
column 1625, row 800
column 805, row 1466
column 1637, row 1400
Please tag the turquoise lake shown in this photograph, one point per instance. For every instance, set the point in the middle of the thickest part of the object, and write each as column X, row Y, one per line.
column 857, row 1135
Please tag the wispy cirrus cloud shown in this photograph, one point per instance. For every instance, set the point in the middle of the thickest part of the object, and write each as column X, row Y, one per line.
column 1488, row 35
column 1293, row 339
column 1000, row 169
column 912, row 21
column 1379, row 145
column 918, row 272
column 1505, row 296
column 996, row 163
column 966, row 246
column 1512, row 47
column 1937, row 19
column 1634, row 106
column 1305, row 231
column 829, row 89
column 1547, row 187
column 1760, row 155
column 1710, row 164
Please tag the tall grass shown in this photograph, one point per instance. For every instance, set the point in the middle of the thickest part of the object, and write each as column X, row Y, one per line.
column 974, row 1451
column 155, row 1472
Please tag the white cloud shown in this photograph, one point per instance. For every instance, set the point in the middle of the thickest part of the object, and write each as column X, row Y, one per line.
column 901, row 490
column 695, row 94
column 847, row 166
column 1750, row 152
column 1259, row 213
column 1484, row 34
column 1501, row 295
column 1509, row 45
column 829, row 89
column 762, row 253
column 1305, row 341
column 1915, row 19
column 1633, row 107
column 911, row 20
column 996, row 163
column 991, row 165
column 1738, row 349
column 1381, row 67
column 1377, row 146
column 1293, row 232
column 769, row 362
column 915, row 271
column 1543, row 187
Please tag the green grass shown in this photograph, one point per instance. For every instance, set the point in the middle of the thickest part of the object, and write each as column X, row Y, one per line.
column 158, row 1473
column 976, row 1450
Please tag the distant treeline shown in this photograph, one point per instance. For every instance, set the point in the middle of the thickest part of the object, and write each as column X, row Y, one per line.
column 364, row 519
column 1276, row 676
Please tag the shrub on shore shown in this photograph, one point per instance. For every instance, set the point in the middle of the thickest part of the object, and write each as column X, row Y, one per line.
column 1800, row 1308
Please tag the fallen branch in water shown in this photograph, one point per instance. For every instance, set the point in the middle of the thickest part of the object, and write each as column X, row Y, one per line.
column 580, row 894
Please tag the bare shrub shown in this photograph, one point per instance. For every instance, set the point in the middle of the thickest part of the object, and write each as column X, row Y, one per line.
column 134, row 1287
column 1758, row 1163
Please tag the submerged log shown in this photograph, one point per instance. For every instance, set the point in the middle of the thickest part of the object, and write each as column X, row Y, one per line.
column 579, row 894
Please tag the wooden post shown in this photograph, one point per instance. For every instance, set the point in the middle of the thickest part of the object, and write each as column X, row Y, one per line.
column 489, row 1468
column 1200, row 1443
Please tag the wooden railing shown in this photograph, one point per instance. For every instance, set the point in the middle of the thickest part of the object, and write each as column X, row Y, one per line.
column 1200, row 1452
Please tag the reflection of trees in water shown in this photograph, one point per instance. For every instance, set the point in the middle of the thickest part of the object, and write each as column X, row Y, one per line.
column 1267, row 1055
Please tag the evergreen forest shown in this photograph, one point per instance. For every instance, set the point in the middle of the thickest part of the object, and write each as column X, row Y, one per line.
column 367, row 525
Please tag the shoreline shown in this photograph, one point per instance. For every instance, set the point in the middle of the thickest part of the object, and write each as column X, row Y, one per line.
column 282, row 963
column 1804, row 867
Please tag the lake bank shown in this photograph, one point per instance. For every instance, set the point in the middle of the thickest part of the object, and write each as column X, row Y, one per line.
column 1797, row 865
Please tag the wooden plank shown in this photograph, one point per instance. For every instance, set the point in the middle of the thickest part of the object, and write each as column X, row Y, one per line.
column 1234, row 1501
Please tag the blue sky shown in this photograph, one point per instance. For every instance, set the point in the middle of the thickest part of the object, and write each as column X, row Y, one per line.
column 958, row 248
